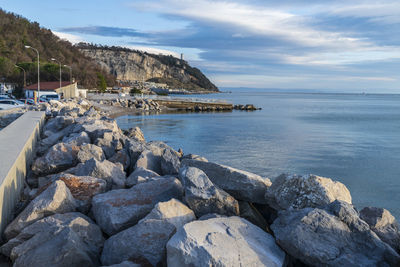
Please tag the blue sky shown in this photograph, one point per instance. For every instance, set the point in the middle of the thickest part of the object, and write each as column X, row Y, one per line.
column 349, row 46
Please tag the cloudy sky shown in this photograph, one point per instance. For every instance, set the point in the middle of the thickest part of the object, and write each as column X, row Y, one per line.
column 347, row 46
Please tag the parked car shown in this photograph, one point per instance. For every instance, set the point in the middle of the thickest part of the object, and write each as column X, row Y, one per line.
column 10, row 103
column 48, row 97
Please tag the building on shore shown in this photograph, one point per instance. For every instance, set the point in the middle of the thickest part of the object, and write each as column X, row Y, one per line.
column 7, row 88
column 67, row 90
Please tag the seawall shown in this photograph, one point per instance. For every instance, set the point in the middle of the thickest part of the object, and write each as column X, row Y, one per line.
column 17, row 141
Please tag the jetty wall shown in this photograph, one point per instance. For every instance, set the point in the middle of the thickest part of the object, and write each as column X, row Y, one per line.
column 17, row 142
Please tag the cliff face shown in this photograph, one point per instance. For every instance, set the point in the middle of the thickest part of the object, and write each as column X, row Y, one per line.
column 134, row 65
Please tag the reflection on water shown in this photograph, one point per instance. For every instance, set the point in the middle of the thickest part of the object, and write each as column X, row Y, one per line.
column 351, row 138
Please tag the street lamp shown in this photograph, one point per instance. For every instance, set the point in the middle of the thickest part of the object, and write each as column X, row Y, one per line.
column 24, row 74
column 70, row 72
column 38, row 67
column 59, row 63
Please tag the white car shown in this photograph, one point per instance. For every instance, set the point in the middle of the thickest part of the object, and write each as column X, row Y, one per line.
column 10, row 103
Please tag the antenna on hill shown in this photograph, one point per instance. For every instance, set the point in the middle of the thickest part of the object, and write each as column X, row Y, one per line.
column 181, row 56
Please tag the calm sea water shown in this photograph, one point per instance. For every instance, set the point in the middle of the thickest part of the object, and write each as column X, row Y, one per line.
column 351, row 138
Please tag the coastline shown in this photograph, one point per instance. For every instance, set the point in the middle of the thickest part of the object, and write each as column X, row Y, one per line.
column 97, row 174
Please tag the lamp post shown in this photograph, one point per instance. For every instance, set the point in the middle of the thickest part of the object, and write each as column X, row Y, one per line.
column 70, row 72
column 38, row 67
column 59, row 63
column 24, row 74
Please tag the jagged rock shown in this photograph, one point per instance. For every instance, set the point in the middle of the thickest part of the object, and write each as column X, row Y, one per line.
column 110, row 143
column 69, row 239
column 250, row 213
column 203, row 196
column 55, row 199
column 51, row 140
column 83, row 188
column 150, row 160
column 134, row 148
column 119, row 209
column 170, row 162
column 112, row 173
column 211, row 216
column 58, row 158
column 383, row 224
column 57, row 123
column 296, row 192
column 96, row 128
column 135, row 133
column 194, row 157
column 140, row 175
column 172, row 211
column 121, row 157
column 145, row 242
column 240, row 184
column 333, row 236
column 77, row 139
column 89, row 151
column 91, row 112
column 124, row 264
column 226, row 241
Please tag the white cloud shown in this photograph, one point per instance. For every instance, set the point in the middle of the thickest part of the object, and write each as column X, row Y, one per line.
column 69, row 37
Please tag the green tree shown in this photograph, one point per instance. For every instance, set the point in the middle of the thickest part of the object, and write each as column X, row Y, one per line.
column 101, row 82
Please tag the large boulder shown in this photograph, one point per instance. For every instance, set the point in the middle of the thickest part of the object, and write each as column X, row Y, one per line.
column 110, row 142
column 55, row 199
column 112, row 173
column 225, row 241
column 170, row 162
column 297, row 192
column 135, row 149
column 203, row 196
column 89, row 151
column 145, row 242
column 151, row 160
column 58, row 158
column 383, row 224
column 119, row 209
column 69, row 239
column 250, row 213
column 83, row 188
column 52, row 139
column 240, row 184
column 140, row 175
column 56, row 124
column 333, row 236
column 136, row 134
column 172, row 211
column 122, row 157
column 77, row 139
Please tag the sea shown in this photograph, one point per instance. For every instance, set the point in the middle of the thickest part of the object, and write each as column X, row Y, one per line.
column 351, row 138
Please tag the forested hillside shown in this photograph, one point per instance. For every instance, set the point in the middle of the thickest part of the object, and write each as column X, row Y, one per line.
column 16, row 32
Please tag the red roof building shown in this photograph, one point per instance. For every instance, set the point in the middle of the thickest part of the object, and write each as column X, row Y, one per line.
column 47, row 86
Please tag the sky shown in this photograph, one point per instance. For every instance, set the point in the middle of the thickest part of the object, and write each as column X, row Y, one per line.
column 327, row 45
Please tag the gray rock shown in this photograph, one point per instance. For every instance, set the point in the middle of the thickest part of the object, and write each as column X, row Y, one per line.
column 333, row 236
column 58, row 123
column 211, row 216
column 51, row 140
column 143, row 243
column 55, row 199
column 121, row 157
column 383, row 224
column 112, row 173
column 195, row 157
column 227, row 241
column 250, row 213
column 83, row 188
column 69, row 239
column 240, row 184
column 134, row 148
column 150, row 160
column 77, row 139
column 136, row 134
column 89, row 151
column 203, row 196
column 170, row 163
column 172, row 211
column 119, row 209
column 96, row 128
column 58, row 158
column 296, row 192
column 140, row 175
column 124, row 264
column 110, row 142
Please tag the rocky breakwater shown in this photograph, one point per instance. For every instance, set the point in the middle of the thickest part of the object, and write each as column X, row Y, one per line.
column 142, row 104
column 97, row 196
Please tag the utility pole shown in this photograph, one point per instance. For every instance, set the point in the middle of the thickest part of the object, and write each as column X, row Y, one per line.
column 38, row 68
column 70, row 72
column 59, row 63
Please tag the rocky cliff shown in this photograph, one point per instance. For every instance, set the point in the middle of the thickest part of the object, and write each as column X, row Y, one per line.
column 132, row 65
